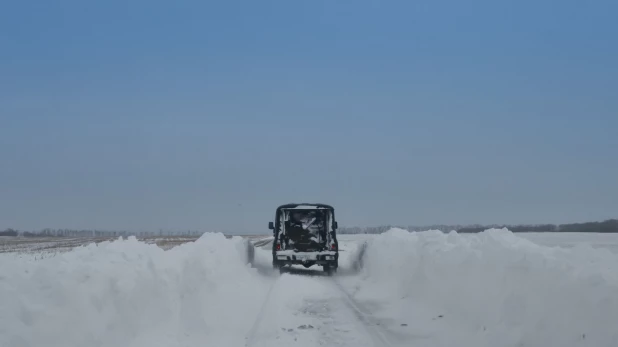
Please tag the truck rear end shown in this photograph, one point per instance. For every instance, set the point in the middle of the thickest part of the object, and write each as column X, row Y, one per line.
column 305, row 234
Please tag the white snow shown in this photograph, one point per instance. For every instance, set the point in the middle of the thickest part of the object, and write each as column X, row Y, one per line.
column 568, row 240
column 128, row 293
column 415, row 289
column 305, row 207
column 491, row 289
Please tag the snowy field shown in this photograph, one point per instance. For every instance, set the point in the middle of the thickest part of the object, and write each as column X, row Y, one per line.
column 568, row 240
column 407, row 289
column 44, row 247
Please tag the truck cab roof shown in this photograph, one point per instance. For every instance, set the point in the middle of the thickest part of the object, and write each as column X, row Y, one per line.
column 304, row 206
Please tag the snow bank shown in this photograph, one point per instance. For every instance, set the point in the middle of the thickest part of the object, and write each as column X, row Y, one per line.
column 499, row 289
column 607, row 241
column 128, row 293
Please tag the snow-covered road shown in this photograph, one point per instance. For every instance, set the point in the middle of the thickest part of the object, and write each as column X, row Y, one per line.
column 414, row 289
column 312, row 311
column 305, row 307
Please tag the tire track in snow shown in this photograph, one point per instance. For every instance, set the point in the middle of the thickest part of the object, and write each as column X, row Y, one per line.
column 377, row 334
column 350, row 312
column 254, row 329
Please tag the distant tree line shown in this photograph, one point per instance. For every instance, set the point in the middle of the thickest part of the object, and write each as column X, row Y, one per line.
column 608, row 226
column 513, row 228
column 95, row 233
column 384, row 228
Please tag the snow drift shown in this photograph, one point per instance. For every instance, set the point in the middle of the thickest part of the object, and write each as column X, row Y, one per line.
column 128, row 293
column 497, row 288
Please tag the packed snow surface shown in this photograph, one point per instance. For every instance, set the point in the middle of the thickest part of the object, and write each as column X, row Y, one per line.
column 408, row 289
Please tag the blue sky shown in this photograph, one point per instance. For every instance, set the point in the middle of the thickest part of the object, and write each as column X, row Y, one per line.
column 143, row 115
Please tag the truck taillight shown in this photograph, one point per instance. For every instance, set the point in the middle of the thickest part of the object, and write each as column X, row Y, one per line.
column 333, row 247
column 278, row 247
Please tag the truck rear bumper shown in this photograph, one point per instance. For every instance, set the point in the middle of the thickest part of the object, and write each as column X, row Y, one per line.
column 291, row 257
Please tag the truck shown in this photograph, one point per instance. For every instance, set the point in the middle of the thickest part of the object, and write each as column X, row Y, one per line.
column 305, row 234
